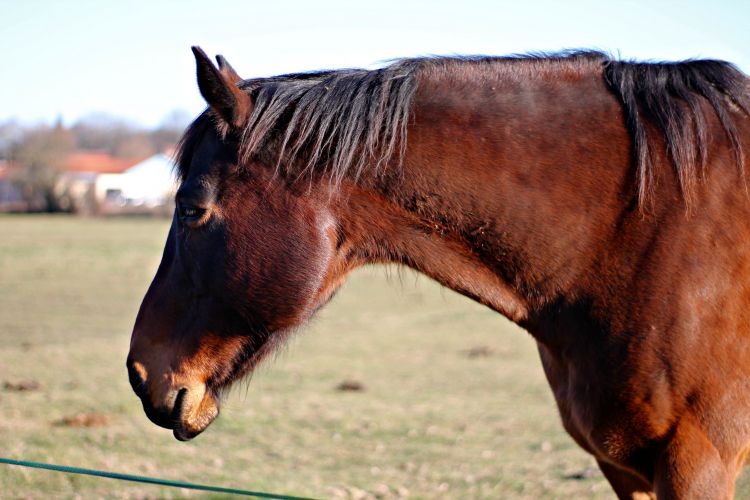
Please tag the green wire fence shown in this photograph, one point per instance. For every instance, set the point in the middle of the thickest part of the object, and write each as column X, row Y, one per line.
column 148, row 480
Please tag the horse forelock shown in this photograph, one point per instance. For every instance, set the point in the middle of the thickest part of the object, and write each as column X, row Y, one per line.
column 189, row 142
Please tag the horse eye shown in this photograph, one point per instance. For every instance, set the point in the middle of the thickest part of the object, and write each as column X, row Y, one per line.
column 190, row 213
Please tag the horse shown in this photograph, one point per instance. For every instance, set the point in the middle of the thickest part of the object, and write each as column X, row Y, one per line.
column 600, row 204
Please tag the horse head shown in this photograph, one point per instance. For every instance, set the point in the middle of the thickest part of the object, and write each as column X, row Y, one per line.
column 249, row 258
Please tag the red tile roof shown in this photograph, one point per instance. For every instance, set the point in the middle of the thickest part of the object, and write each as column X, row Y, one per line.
column 98, row 162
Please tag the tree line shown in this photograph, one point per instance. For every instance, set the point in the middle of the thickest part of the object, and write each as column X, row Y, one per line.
column 35, row 155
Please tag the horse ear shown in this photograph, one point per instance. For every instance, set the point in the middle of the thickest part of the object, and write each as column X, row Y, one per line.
column 227, row 70
column 221, row 92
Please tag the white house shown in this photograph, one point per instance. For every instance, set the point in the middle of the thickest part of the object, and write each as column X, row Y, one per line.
column 148, row 186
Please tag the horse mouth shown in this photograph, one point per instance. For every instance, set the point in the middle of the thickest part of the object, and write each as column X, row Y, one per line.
column 193, row 412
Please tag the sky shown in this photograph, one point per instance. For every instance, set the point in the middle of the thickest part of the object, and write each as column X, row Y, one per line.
column 132, row 59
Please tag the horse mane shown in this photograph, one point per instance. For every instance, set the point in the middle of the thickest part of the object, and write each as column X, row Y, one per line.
column 346, row 120
column 343, row 120
column 670, row 96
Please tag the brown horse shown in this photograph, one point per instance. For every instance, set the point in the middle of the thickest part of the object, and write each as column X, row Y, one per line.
column 602, row 205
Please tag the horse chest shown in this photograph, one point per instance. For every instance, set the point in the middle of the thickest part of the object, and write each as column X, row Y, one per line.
column 599, row 411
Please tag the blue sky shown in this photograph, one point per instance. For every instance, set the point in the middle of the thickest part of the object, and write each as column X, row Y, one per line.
column 133, row 59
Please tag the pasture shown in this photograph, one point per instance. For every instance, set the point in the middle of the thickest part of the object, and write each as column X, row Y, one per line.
column 399, row 388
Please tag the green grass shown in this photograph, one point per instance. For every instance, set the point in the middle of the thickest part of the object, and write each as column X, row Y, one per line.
column 431, row 421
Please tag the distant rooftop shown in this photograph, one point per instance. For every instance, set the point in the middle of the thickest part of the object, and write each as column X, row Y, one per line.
column 98, row 162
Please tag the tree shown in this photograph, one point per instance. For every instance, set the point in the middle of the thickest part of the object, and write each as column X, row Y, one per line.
column 40, row 154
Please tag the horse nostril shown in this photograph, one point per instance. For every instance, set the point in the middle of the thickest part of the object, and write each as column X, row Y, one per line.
column 136, row 382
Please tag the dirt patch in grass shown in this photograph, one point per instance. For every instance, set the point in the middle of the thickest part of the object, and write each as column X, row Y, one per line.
column 22, row 386
column 85, row 420
column 587, row 473
column 350, row 386
column 480, row 351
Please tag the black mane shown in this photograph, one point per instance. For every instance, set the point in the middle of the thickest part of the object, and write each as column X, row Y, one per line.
column 670, row 95
column 345, row 120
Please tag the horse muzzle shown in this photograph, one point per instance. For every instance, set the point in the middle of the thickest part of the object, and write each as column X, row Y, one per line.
column 185, row 408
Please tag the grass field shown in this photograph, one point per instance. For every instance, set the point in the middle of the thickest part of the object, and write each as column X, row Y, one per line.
column 453, row 401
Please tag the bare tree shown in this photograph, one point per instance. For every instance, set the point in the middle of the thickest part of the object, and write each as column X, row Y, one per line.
column 40, row 154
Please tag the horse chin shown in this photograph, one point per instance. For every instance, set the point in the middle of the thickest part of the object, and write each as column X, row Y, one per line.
column 194, row 410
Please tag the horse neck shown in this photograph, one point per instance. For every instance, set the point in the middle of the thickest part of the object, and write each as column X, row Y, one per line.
column 508, row 193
